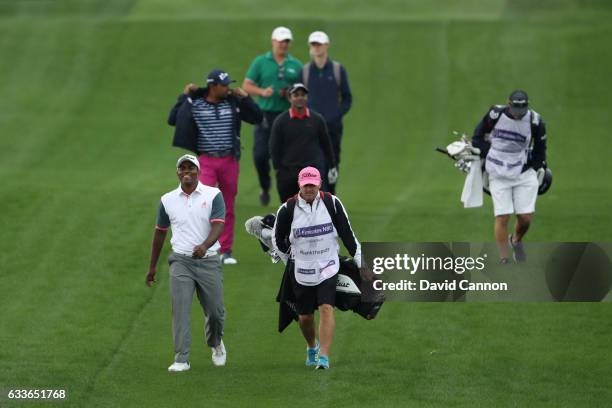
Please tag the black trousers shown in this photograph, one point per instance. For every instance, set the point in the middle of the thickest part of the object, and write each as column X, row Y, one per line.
column 261, row 149
column 335, row 130
column 286, row 183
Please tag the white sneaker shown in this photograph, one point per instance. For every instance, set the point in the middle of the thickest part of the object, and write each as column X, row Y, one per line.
column 177, row 367
column 219, row 355
column 228, row 259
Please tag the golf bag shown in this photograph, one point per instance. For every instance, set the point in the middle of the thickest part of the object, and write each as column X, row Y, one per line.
column 353, row 292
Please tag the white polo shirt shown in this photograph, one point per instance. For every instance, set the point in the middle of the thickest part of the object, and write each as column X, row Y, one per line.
column 189, row 216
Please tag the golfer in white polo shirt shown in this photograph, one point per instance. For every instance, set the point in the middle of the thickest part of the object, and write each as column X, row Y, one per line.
column 196, row 214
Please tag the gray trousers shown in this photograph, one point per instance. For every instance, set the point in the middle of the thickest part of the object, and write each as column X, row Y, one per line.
column 205, row 277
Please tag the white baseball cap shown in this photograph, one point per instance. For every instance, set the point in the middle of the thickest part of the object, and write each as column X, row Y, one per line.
column 318, row 37
column 189, row 158
column 282, row 34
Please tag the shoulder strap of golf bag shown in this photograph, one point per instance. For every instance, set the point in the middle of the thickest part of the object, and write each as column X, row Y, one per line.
column 306, row 73
column 335, row 66
column 328, row 200
column 535, row 123
column 495, row 113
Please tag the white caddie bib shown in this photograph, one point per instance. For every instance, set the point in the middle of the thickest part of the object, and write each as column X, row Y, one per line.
column 313, row 244
column 510, row 141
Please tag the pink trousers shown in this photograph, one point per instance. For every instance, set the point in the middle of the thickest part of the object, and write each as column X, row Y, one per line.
column 222, row 172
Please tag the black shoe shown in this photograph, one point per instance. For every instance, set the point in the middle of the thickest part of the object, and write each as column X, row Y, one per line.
column 264, row 198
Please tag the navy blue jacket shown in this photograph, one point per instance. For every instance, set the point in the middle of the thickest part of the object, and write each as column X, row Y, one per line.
column 186, row 130
column 323, row 93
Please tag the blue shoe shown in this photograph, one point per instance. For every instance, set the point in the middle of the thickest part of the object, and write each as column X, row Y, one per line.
column 312, row 355
column 323, row 363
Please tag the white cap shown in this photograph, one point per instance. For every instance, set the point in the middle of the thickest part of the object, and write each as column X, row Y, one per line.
column 282, row 34
column 189, row 158
column 318, row 37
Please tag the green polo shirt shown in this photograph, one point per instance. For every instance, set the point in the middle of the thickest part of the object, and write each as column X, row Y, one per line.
column 265, row 72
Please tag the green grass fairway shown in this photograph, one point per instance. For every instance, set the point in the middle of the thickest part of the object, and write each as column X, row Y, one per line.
column 85, row 89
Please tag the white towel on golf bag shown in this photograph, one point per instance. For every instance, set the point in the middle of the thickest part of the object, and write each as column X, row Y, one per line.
column 471, row 196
